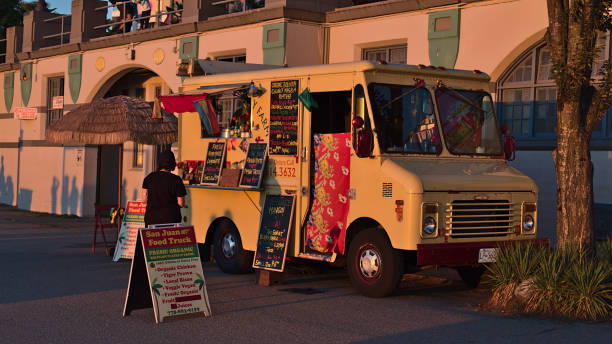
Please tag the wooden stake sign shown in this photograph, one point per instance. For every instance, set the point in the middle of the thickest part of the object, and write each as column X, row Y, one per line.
column 170, row 262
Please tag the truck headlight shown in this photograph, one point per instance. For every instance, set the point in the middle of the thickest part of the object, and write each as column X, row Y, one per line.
column 429, row 225
column 528, row 223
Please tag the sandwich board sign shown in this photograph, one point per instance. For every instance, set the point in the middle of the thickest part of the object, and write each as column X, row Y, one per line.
column 166, row 273
column 273, row 237
column 133, row 219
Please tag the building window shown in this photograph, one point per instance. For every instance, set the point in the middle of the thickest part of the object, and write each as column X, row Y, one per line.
column 392, row 54
column 55, row 88
column 138, row 155
column 233, row 58
column 527, row 94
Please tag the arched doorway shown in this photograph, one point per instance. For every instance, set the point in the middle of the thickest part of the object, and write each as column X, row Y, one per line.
column 138, row 159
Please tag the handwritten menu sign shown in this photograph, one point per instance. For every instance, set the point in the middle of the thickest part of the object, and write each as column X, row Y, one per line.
column 273, row 236
column 284, row 117
column 133, row 219
column 176, row 283
column 214, row 163
column 254, row 165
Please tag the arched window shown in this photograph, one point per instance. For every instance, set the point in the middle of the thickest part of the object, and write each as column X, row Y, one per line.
column 527, row 94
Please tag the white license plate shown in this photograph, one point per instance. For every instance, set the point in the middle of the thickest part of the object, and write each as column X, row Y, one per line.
column 487, row 255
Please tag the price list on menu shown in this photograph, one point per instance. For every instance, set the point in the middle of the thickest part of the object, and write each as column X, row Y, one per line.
column 273, row 236
column 284, row 117
column 214, row 163
column 254, row 165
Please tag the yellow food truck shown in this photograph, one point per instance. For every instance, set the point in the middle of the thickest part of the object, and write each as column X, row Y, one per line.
column 392, row 167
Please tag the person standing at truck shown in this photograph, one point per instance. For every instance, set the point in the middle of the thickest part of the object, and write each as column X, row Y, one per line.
column 164, row 192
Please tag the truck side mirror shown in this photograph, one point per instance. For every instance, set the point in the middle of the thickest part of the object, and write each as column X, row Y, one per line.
column 365, row 138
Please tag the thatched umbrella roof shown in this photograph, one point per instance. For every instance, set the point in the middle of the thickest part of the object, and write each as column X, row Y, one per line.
column 114, row 120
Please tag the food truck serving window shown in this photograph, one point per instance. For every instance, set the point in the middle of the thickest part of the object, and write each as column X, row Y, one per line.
column 404, row 119
column 233, row 109
column 468, row 122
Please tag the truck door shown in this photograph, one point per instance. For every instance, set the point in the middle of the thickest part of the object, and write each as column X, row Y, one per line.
column 327, row 122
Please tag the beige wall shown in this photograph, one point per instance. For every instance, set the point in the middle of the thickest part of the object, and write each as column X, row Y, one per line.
column 233, row 41
column 304, row 45
column 8, row 176
column 9, row 129
column 348, row 40
column 490, row 33
column 51, row 180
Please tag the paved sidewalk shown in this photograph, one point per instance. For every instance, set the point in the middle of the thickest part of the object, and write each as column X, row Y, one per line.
column 54, row 290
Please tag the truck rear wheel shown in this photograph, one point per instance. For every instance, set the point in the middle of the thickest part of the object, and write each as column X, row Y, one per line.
column 228, row 251
column 374, row 266
column 471, row 275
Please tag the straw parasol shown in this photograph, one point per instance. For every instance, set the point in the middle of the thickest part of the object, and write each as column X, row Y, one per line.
column 112, row 121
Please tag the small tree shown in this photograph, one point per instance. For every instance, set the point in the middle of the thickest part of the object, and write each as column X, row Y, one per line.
column 572, row 36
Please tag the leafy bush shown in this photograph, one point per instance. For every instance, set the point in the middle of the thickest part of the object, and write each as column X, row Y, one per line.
column 588, row 291
column 515, row 263
column 559, row 282
column 549, row 279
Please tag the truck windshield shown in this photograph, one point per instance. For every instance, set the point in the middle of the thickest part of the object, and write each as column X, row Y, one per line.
column 468, row 122
column 404, row 119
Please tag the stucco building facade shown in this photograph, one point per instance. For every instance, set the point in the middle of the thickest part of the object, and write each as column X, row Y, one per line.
column 504, row 38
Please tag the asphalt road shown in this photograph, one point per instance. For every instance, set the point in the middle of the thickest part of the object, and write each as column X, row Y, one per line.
column 53, row 290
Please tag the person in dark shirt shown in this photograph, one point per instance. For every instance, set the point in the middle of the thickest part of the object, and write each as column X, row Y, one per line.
column 163, row 192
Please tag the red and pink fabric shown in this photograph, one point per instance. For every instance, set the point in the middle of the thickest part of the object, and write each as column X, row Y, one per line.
column 326, row 226
column 199, row 103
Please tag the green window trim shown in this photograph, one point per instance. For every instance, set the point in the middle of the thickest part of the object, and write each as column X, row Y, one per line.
column 9, row 88
column 193, row 54
column 25, row 75
column 444, row 43
column 75, row 67
column 274, row 51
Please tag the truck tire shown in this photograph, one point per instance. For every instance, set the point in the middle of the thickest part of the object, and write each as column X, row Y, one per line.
column 471, row 275
column 374, row 266
column 227, row 249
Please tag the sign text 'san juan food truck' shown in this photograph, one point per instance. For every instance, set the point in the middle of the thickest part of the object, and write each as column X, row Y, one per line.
column 391, row 167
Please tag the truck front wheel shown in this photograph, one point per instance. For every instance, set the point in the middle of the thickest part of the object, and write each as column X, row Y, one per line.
column 374, row 266
column 228, row 251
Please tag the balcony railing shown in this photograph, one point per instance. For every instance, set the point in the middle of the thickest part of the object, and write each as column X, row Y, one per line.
column 126, row 23
column 233, row 6
column 63, row 31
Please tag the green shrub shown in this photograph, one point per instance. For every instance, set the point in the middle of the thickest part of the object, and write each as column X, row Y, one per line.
column 515, row 263
column 559, row 282
column 588, row 294
column 549, row 280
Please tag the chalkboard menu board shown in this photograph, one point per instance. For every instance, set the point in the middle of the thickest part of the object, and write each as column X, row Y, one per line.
column 273, row 236
column 254, row 165
column 284, row 117
column 214, row 163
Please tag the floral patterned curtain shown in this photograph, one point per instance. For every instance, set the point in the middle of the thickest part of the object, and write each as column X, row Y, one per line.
column 326, row 226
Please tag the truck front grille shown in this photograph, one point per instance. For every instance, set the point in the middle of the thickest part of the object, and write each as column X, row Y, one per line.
column 480, row 218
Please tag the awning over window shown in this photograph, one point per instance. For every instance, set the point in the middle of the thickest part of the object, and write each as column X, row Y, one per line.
column 199, row 103
column 181, row 102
